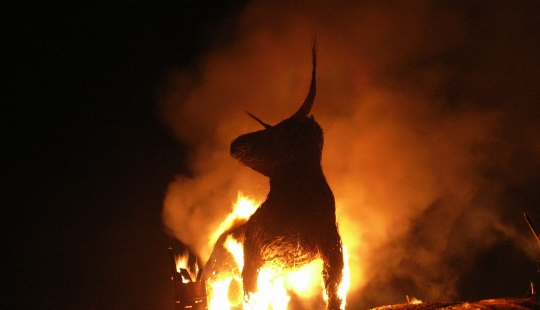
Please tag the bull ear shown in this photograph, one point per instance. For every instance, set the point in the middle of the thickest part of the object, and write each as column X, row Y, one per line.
column 304, row 110
column 265, row 125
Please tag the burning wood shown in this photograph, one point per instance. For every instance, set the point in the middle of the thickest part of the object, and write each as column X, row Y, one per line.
column 188, row 294
column 297, row 223
column 413, row 300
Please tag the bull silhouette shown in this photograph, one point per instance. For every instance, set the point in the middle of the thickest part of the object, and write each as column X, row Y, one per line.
column 296, row 223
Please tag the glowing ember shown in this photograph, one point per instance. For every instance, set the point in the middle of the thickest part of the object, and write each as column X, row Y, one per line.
column 413, row 300
column 275, row 285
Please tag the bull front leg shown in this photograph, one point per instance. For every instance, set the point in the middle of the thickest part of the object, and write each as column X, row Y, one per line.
column 332, row 255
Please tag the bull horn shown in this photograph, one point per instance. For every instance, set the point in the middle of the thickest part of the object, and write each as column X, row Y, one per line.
column 265, row 125
column 304, row 110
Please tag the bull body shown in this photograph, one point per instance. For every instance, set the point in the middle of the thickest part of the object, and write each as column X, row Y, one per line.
column 297, row 221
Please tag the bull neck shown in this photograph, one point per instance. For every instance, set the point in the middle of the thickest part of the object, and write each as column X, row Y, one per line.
column 297, row 174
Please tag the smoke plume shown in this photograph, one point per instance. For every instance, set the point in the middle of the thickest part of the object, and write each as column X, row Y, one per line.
column 430, row 111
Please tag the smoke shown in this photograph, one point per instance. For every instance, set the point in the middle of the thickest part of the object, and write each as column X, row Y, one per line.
column 430, row 116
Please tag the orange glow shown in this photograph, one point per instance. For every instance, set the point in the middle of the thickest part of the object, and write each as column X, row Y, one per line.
column 275, row 285
column 182, row 262
column 346, row 281
column 413, row 300
column 244, row 207
column 237, row 250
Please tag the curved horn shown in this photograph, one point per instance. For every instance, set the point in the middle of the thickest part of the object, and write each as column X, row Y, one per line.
column 265, row 125
column 308, row 103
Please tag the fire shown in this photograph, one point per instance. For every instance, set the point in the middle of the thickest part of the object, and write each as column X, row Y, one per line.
column 413, row 300
column 243, row 209
column 182, row 264
column 346, row 281
column 236, row 249
column 276, row 286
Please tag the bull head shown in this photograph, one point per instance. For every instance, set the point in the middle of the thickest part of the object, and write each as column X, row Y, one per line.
column 294, row 142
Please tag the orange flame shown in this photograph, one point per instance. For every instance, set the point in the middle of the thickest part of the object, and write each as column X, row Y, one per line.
column 413, row 300
column 275, row 285
column 243, row 209
column 182, row 262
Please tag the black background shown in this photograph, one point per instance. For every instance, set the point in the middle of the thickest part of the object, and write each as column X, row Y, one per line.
column 87, row 156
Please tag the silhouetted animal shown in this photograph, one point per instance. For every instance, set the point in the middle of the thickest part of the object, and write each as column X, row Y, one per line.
column 297, row 221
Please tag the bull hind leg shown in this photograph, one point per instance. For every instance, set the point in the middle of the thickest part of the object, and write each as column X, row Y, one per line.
column 221, row 262
column 332, row 255
column 252, row 266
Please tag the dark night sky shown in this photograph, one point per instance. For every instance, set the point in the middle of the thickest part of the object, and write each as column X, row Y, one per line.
column 89, row 158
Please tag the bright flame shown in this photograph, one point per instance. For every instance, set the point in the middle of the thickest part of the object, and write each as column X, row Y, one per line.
column 182, row 263
column 275, row 286
column 413, row 300
column 346, row 280
column 307, row 281
column 242, row 210
column 237, row 250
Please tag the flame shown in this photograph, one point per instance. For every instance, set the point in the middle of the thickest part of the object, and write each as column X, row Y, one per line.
column 237, row 250
column 275, row 286
column 346, row 280
column 243, row 208
column 413, row 300
column 182, row 263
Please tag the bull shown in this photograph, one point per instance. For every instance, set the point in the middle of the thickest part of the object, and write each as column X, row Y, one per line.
column 297, row 222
